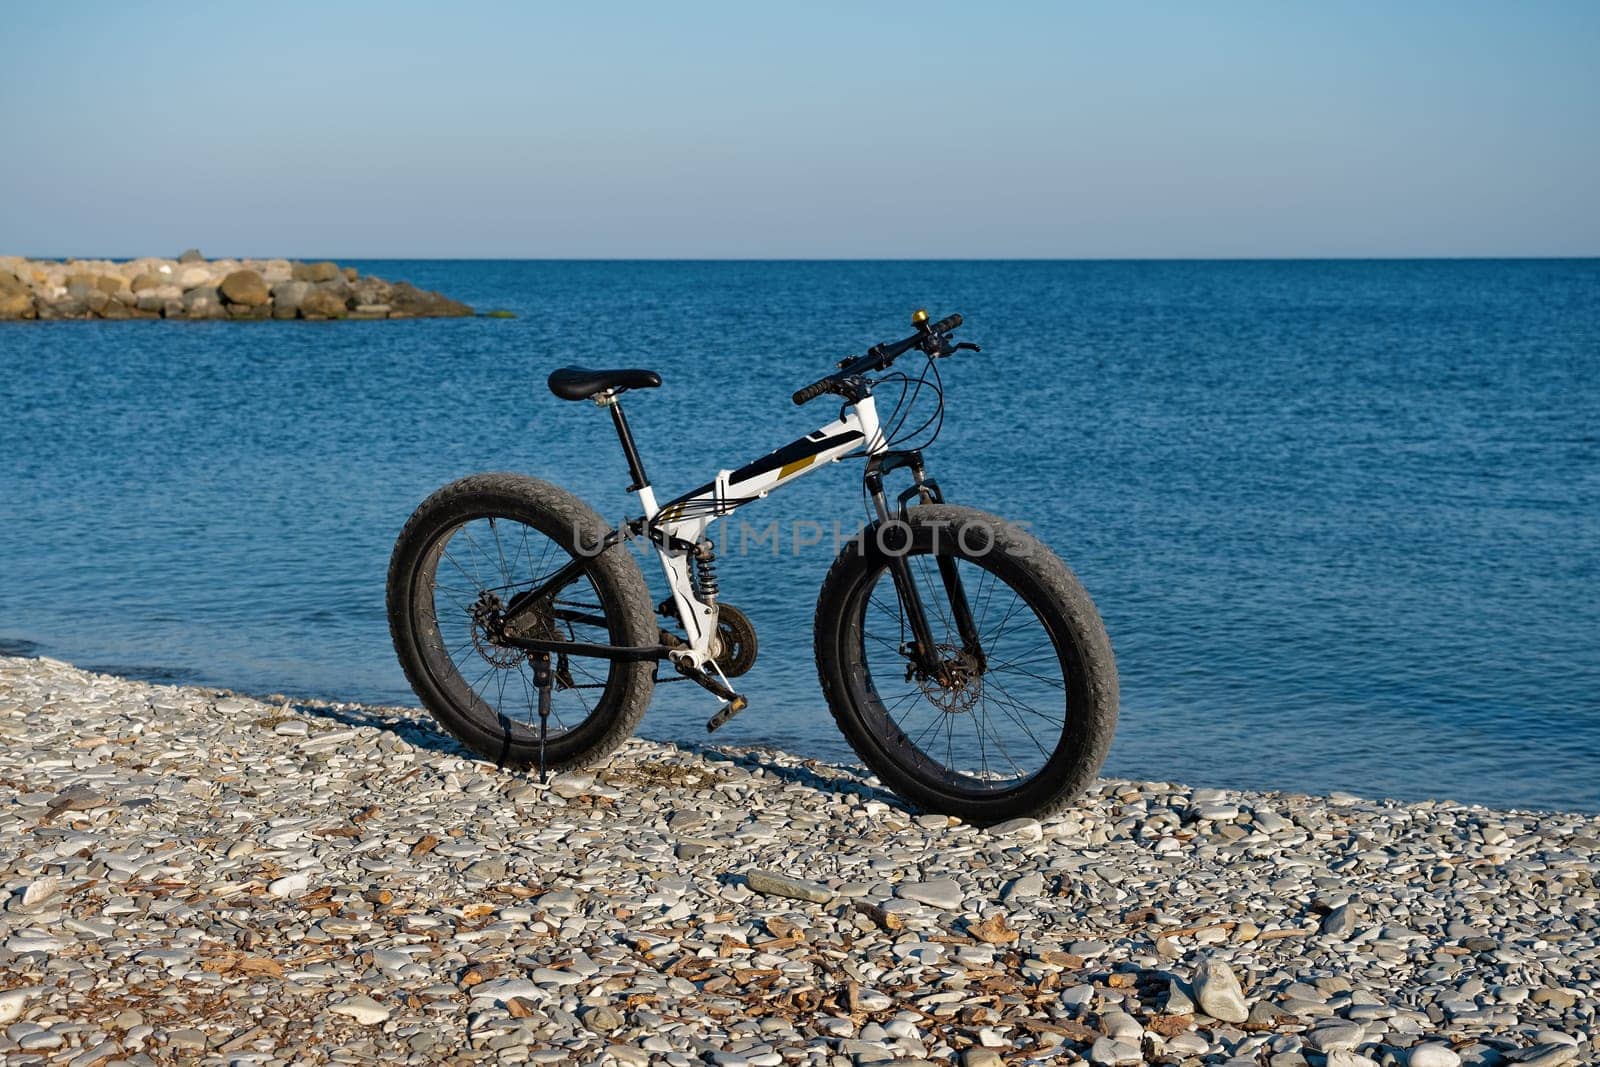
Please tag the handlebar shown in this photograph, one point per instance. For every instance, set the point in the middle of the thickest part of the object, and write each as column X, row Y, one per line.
column 814, row 390
column 930, row 339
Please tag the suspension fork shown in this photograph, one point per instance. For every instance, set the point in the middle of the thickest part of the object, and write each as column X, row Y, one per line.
column 965, row 625
column 927, row 658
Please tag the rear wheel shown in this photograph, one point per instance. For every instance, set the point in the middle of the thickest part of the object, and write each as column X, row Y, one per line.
column 1017, row 724
column 468, row 551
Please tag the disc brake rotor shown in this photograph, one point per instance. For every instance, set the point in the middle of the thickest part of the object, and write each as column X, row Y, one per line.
column 956, row 686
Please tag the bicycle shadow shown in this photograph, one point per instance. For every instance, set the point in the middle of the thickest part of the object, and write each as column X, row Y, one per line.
column 416, row 728
column 814, row 774
column 411, row 725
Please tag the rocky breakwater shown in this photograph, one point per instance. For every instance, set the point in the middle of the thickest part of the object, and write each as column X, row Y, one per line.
column 193, row 287
column 189, row 875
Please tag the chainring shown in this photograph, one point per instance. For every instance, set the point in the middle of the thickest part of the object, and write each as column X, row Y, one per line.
column 736, row 641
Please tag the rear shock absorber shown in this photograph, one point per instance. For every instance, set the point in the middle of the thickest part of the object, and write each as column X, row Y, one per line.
column 705, row 572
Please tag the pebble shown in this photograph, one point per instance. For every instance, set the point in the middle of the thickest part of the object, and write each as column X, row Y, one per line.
column 1178, row 1000
column 1337, row 1037
column 290, row 885
column 12, row 1002
column 603, row 1019
column 1121, row 1026
column 940, row 893
column 1217, row 992
column 1432, row 1054
column 1025, row 829
column 363, row 1009
column 1339, row 923
column 1026, row 888
column 1347, row 1058
column 778, row 885
column 343, row 882
column 1106, row 1051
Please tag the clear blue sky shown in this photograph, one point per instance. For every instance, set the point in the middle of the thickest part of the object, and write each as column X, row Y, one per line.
column 804, row 130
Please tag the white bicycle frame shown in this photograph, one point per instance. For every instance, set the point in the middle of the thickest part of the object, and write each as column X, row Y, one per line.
column 684, row 520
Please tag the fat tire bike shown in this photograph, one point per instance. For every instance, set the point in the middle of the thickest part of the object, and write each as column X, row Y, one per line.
column 961, row 658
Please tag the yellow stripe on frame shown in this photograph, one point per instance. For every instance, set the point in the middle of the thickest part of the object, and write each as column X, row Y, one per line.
column 794, row 465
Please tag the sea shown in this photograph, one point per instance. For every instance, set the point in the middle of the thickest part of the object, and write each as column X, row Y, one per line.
column 1341, row 518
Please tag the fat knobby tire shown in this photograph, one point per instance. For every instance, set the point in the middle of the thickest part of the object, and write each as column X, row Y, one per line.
column 1042, row 579
column 626, row 599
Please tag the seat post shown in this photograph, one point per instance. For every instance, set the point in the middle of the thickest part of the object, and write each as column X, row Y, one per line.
column 625, row 435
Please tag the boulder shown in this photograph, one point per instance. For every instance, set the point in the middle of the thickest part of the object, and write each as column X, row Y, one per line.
column 323, row 302
column 245, row 288
column 103, row 282
column 147, row 280
column 286, row 297
column 97, row 302
column 193, row 277
column 274, row 271
column 94, row 291
column 325, row 271
column 204, row 303
column 16, row 299
column 63, row 307
column 370, row 290
column 407, row 298
column 192, row 256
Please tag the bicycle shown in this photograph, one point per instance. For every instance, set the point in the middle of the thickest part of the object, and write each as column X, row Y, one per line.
column 523, row 588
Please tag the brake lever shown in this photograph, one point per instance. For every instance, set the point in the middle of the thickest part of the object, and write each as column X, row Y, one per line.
column 946, row 350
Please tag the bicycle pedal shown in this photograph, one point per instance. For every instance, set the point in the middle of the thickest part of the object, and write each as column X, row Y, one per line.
column 727, row 711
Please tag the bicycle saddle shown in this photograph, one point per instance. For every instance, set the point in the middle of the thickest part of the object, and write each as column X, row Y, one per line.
column 580, row 383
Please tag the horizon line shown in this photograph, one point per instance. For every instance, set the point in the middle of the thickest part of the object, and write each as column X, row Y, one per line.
column 849, row 259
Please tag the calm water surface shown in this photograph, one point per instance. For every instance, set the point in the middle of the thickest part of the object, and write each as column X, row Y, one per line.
column 1342, row 518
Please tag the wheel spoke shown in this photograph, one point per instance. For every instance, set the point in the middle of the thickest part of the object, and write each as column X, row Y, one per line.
column 470, row 665
column 1008, row 741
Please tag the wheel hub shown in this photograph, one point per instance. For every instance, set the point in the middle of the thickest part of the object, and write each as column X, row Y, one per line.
column 486, row 630
column 955, row 686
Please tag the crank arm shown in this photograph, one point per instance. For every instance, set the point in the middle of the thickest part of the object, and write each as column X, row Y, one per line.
column 735, row 703
column 708, row 682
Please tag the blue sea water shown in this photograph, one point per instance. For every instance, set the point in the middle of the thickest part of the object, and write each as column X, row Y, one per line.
column 1342, row 518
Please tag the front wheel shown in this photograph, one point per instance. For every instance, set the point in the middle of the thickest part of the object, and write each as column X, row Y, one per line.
column 1017, row 712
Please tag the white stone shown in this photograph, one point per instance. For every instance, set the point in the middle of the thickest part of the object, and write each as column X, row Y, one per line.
column 363, row 1009
column 1433, row 1054
column 1217, row 991
column 1346, row 1058
column 290, row 885
column 12, row 1001
column 939, row 893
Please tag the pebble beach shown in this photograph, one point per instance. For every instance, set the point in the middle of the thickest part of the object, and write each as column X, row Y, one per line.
column 194, row 875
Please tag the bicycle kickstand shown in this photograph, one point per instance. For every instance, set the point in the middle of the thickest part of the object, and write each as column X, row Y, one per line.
column 541, row 678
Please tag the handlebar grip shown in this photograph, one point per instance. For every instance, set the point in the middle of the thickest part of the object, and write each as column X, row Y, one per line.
column 812, row 391
column 946, row 324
